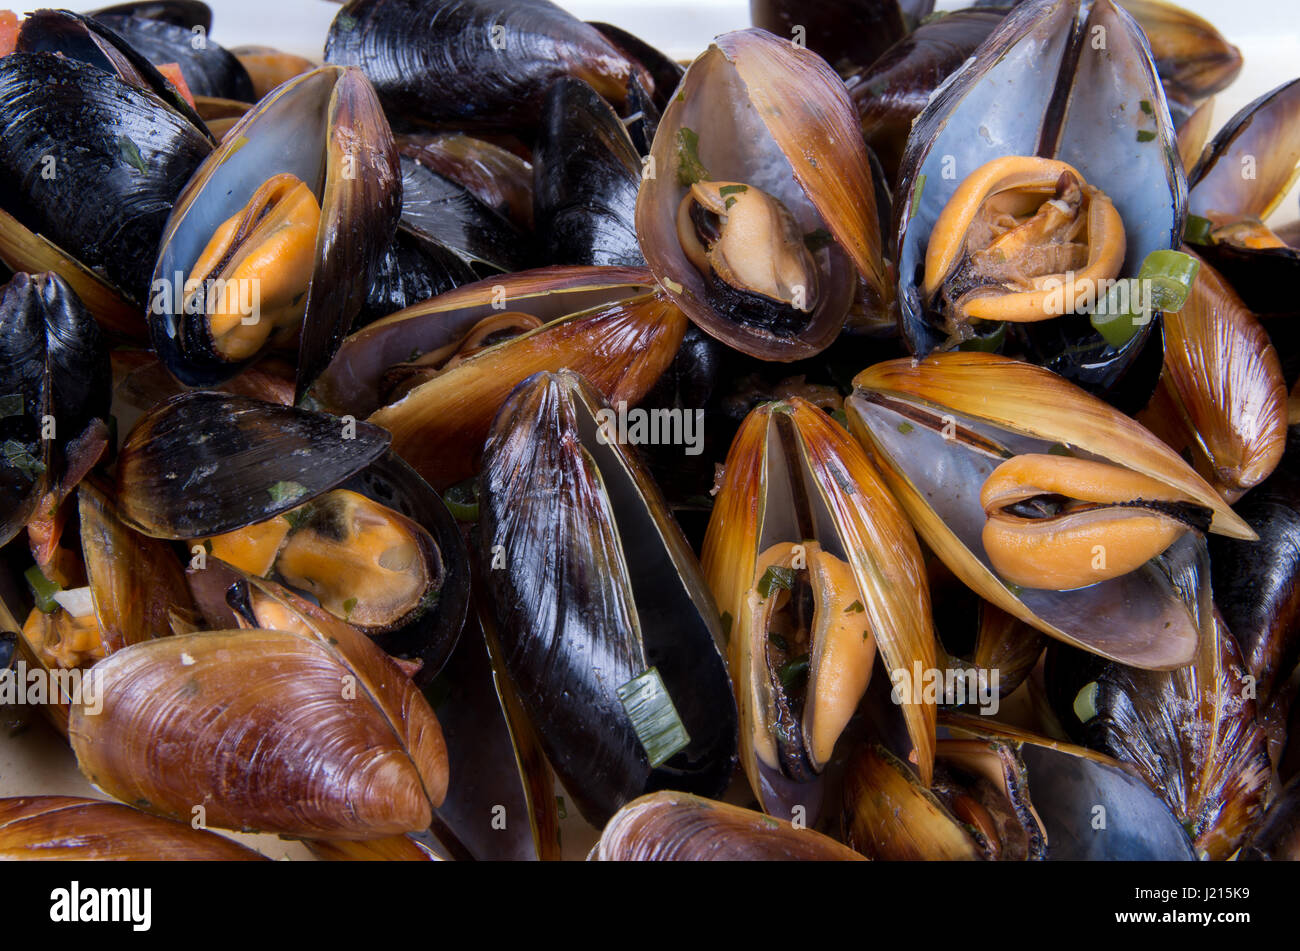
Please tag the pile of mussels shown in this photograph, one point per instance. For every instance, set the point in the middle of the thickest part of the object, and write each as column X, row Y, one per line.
column 869, row 440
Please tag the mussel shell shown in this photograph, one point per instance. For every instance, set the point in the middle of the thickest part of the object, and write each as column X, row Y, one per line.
column 665, row 71
column 207, row 463
column 109, row 139
column 209, row 70
column 497, row 177
column 890, row 91
column 327, row 129
column 1193, row 59
column 1277, row 838
column 589, row 583
column 56, row 365
column 445, row 213
column 1150, row 618
column 678, row 827
column 1033, row 88
column 764, row 111
column 186, row 13
column 1068, row 784
column 1257, row 584
column 473, row 62
column 621, row 348
column 586, row 174
column 353, row 381
column 50, row 828
column 1191, row 733
column 254, row 726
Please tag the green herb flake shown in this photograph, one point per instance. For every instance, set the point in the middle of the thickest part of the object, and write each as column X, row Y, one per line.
column 43, row 589
column 854, row 608
column 771, row 823
column 775, row 577
column 916, row 195
column 817, row 239
column 349, row 606
column 286, row 491
column 1198, row 230
column 728, row 203
column 689, row 167
column 560, row 807
column 11, row 404
column 16, row 455
column 733, row 190
column 792, row 671
column 654, row 717
column 904, row 427
column 778, row 641
column 1146, row 107
column 130, row 153
column 1085, row 702
column 1145, row 135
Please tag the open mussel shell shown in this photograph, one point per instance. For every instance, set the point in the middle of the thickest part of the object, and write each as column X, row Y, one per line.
column 48, row 828
column 939, row 427
column 497, row 177
column 1036, row 88
column 1091, row 806
column 209, row 70
column 596, row 606
column 113, row 140
column 419, row 56
column 678, row 827
column 891, row 90
column 1224, row 380
column 393, row 848
column 586, row 174
column 411, row 271
column 1243, row 175
column 794, row 476
column 621, row 348
column 327, row 130
column 1191, row 733
column 1257, row 584
column 752, row 112
column 311, row 732
column 207, row 463
column 355, row 381
column 55, row 395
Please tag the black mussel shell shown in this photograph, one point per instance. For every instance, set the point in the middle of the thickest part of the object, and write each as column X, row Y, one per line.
column 588, row 585
column 54, row 362
column 107, row 139
column 186, row 13
column 1277, row 837
column 412, row 270
column 207, row 463
column 586, row 173
column 665, row 71
column 845, row 33
column 209, row 70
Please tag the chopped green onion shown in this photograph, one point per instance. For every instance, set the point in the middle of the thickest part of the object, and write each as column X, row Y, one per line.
column 916, row 195
column 791, row 671
column 286, row 491
column 854, row 608
column 775, row 577
column 1085, row 702
column 462, row 501
column 1146, row 107
column 1145, row 135
column 43, row 589
column 348, row 607
column 1198, row 230
column 905, row 427
column 733, row 190
column 654, row 717
column 1169, row 274
column 131, row 153
column 689, row 167
column 728, row 203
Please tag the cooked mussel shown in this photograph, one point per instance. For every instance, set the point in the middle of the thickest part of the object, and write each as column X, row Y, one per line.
column 815, row 569
column 280, row 232
column 678, row 827
column 1013, row 145
column 1044, row 500
column 752, row 236
column 209, row 70
column 610, row 637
